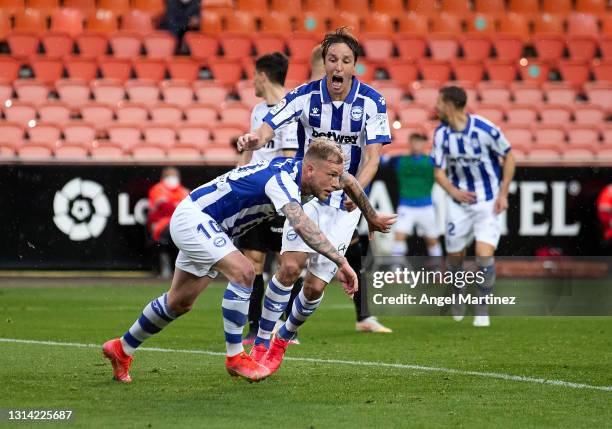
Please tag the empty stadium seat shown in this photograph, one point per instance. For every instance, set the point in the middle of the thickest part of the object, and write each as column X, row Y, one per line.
column 79, row 132
column 413, row 113
column 314, row 22
column 125, row 45
column 107, row 151
column 494, row 92
column 115, row 68
column 527, row 92
column 182, row 151
column 74, row 93
column 131, row 113
column 559, row 92
column 493, row 112
column 183, row 69
column 500, row 70
column 468, row 70
column 278, row 23
column 258, row 8
column 57, row 44
column 31, row 91
column 148, row 152
column 149, row 69
column 104, row 20
column 582, row 23
column 85, row 69
column 86, row 7
column 44, row 132
column 142, row 91
column 227, row 72
column 11, row 132
column 163, row 135
column 548, row 23
column 54, row 112
column 108, row 91
column 70, row 151
column 534, row 71
column 177, row 92
column 443, row 47
column 124, row 135
column 508, row 47
column 380, row 23
column 210, row 92
column 240, row 22
column 301, row 45
column 445, row 22
column 377, row 47
column 19, row 112
column 514, row 24
column 290, row 7
column 166, row 113
column 202, row 46
column 29, row 19
column 153, row 7
column 98, row 114
column 433, row 70
column 226, row 134
column 574, row 72
column 159, row 44
column 34, row 151
column 589, row 114
column 23, row 44
column 201, row 114
column 555, row 114
column 557, row 6
column 392, row 92
column 67, row 20
column 413, row 23
column 232, row 113
column 425, row 92
column 549, row 134
column 481, row 24
column 9, row 68
column 599, row 93
column 91, row 45
column 581, row 47
column 476, row 47
column 346, row 19
column 521, row 114
column 267, row 43
column 603, row 70
column 582, row 134
column 549, row 47
column 137, row 21
column 12, row 6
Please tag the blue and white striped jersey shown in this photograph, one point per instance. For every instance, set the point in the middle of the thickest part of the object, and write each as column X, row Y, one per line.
column 283, row 140
column 470, row 157
column 359, row 120
column 247, row 195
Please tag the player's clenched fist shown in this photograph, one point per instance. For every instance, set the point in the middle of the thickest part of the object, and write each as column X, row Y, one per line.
column 247, row 141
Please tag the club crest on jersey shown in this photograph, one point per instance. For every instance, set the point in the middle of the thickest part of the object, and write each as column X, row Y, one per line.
column 278, row 107
column 219, row 242
column 356, row 113
column 291, row 235
column 315, row 112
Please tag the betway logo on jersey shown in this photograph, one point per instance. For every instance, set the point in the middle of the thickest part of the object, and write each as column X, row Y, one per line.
column 465, row 161
column 338, row 138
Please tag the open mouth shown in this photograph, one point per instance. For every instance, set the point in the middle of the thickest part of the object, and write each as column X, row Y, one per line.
column 336, row 82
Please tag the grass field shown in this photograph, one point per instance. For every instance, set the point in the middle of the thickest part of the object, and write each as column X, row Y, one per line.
column 446, row 373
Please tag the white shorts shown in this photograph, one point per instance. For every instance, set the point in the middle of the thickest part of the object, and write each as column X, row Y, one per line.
column 337, row 225
column 201, row 242
column 423, row 218
column 466, row 222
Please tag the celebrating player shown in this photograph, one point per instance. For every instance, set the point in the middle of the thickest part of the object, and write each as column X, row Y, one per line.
column 204, row 224
column 415, row 179
column 466, row 153
column 269, row 78
column 353, row 115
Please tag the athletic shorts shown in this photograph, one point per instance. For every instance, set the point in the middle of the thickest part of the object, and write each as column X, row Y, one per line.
column 464, row 223
column 336, row 224
column 265, row 237
column 200, row 240
column 422, row 218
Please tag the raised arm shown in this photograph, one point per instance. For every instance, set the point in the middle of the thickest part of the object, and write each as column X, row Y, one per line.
column 253, row 141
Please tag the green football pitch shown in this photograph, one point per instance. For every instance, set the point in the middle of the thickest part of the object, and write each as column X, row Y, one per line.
column 431, row 372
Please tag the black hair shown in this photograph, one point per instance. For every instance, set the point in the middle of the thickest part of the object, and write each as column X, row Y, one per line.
column 454, row 94
column 417, row 136
column 274, row 65
column 341, row 35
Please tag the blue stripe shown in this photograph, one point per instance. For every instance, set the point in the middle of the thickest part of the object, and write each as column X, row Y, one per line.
column 270, row 303
column 355, row 159
column 266, row 325
column 460, row 146
column 380, row 139
column 416, row 202
column 133, row 342
column 495, row 163
column 200, row 192
column 277, row 290
column 314, row 114
column 235, row 316
column 469, row 178
column 454, row 177
column 280, row 124
column 336, row 119
column 486, row 182
column 357, row 125
column 283, row 187
column 475, row 141
column 295, row 321
column 233, row 338
column 301, row 137
column 147, row 325
column 159, row 310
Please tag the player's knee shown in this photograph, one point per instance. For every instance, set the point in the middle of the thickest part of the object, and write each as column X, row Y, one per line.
column 312, row 291
column 244, row 277
column 180, row 305
column 288, row 272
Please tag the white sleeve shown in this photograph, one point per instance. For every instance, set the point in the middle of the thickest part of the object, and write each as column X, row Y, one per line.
column 437, row 150
column 282, row 189
column 377, row 123
column 288, row 137
column 287, row 110
column 499, row 143
column 254, row 122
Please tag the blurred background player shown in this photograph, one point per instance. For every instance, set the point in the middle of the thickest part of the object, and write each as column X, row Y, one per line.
column 268, row 80
column 181, row 16
column 365, row 322
column 352, row 114
column 415, row 179
column 466, row 153
column 163, row 199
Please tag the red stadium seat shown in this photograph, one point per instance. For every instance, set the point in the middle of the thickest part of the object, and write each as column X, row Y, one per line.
column 210, row 22
column 115, row 68
column 599, row 93
column 193, row 134
column 179, row 93
column 508, row 47
column 227, row 72
column 457, row 7
column 202, row 46
column 182, row 151
column 5, row 24
column 148, row 152
column 581, row 47
column 225, row 134
column 605, row 46
column 525, row 7
column 559, row 92
column 246, row 91
column 67, row 20
column 258, row 8
column 74, row 93
column 299, row 71
column 393, row 93
column 413, row 23
column 6, row 91
column 468, row 70
column 159, row 44
column 549, row 134
column 22, row 44
column 589, row 114
column 314, row 22
column 514, row 24
column 582, row 23
column 433, row 70
column 446, row 23
column 131, row 113
column 166, row 113
column 603, row 70
column 549, row 47
column 236, row 46
column 149, row 69
column 85, row 69
column 301, row 45
column 583, row 134
column 521, row 114
column 481, row 24
column 9, row 68
column 184, row 69
column 11, row 132
column 137, row 21
column 493, row 112
column 235, row 113
column 57, row 44
column 358, row 7
column 267, row 43
column 91, row 45
column 500, row 70
column 574, row 72
column 210, row 92
column 494, row 92
column 489, row 6
column 103, row 21
column 548, row 23
column 31, row 91
column 378, row 23
column 527, row 93
column 34, row 151
column 153, row 7
column 534, row 71
column 33, row 20
column 240, row 22
column 107, row 91
column 12, row 6
column 476, row 47
column 125, row 45
column 277, row 23
column 292, row 8
column 44, row 132
column 443, row 47
column 47, row 70
column 124, row 135
column 403, row 73
column 142, row 91
column 518, row 134
column 411, row 46
column 596, row 7
column 79, row 132
column 70, row 151
column 98, row 114
column 557, row 6
column 606, row 24
column 413, row 113
column 85, row 7
column 378, row 47
column 425, row 92
column 555, row 114
column 107, row 151
column 54, row 112
column 202, row 114
column 163, row 135
column 350, row 20
column 117, row 7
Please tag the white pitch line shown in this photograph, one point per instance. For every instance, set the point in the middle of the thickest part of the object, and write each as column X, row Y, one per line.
column 499, row 376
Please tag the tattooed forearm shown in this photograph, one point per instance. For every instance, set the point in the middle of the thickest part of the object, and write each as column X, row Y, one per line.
column 354, row 190
column 310, row 233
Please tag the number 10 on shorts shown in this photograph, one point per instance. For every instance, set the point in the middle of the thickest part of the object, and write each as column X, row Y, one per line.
column 212, row 226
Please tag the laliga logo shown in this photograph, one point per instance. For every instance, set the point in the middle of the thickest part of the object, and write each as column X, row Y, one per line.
column 81, row 209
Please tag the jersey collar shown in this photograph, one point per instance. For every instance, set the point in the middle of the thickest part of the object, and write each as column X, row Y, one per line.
column 326, row 98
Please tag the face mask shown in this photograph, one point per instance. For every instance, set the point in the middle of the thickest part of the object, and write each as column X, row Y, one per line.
column 171, row 182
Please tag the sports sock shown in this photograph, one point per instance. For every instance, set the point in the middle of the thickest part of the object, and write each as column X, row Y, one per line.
column 302, row 310
column 435, row 250
column 255, row 303
column 353, row 256
column 297, row 287
column 487, row 266
column 155, row 316
column 235, row 307
column 275, row 301
column 455, row 264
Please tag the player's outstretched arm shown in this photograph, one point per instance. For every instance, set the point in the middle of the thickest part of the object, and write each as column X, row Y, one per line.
column 253, row 141
column 312, row 235
column 376, row 221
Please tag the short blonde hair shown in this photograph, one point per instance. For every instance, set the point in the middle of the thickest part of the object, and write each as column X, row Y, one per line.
column 325, row 150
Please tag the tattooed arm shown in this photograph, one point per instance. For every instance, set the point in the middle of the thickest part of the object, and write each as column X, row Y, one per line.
column 310, row 233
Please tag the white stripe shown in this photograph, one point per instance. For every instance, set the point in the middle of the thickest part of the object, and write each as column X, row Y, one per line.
column 499, row 376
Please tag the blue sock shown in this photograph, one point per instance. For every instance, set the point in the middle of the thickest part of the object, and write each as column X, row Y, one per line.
column 235, row 309
column 302, row 310
column 275, row 301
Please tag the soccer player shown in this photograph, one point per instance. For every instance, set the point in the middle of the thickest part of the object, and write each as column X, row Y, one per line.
column 415, row 178
column 353, row 115
column 269, row 78
column 203, row 226
column 466, row 152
